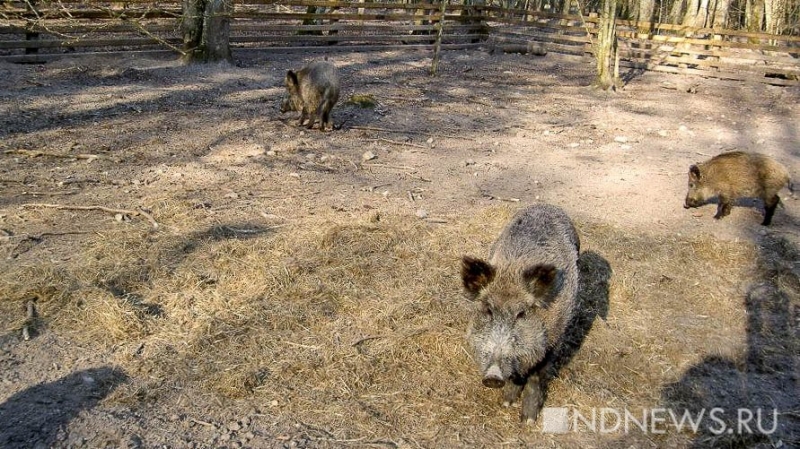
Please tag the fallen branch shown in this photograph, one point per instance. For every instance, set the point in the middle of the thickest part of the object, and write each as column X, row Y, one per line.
column 101, row 208
column 32, row 153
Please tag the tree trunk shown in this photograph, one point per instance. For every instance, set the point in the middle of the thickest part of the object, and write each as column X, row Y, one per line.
column 689, row 18
column 675, row 12
column 720, row 17
column 206, row 30
column 754, row 19
column 773, row 16
column 606, row 46
column 645, row 14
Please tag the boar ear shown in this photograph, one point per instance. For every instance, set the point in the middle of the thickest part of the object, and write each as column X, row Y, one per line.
column 694, row 172
column 540, row 280
column 291, row 78
column 476, row 275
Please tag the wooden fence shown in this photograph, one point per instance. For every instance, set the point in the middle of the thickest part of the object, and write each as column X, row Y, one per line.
column 727, row 54
column 281, row 25
column 70, row 26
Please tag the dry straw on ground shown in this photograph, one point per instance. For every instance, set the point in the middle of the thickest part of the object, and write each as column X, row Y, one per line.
column 358, row 326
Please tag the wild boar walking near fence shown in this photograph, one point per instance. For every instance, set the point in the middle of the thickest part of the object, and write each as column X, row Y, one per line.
column 312, row 90
column 737, row 175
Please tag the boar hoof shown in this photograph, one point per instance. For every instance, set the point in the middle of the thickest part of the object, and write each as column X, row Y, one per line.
column 530, row 422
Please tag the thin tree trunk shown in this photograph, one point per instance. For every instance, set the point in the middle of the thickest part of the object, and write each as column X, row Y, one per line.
column 754, row 19
column 206, row 30
column 438, row 45
column 720, row 17
column 646, row 8
column 606, row 48
column 691, row 13
column 675, row 12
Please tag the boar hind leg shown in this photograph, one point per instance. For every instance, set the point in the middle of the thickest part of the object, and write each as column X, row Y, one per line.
column 312, row 118
column 325, row 115
column 326, row 121
column 533, row 397
column 770, row 205
column 723, row 208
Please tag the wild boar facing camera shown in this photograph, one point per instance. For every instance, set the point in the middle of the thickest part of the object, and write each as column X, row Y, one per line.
column 737, row 175
column 524, row 296
column 312, row 90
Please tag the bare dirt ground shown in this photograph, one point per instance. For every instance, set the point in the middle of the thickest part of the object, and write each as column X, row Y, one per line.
column 297, row 294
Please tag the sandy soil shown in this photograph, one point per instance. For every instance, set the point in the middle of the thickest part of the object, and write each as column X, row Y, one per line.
column 490, row 130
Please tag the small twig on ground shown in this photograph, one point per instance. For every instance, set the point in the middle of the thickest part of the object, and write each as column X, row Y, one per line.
column 317, row 429
column 397, row 142
column 202, row 423
column 35, row 238
column 32, row 153
column 501, row 198
column 367, row 338
column 436, row 220
column 101, row 208
column 418, row 177
column 402, row 131
column 394, row 167
column 68, row 192
column 29, row 319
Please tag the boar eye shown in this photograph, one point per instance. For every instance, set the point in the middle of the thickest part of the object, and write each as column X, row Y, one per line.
column 520, row 315
column 487, row 311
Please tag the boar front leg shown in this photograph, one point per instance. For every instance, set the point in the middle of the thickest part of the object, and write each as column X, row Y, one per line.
column 533, row 398
column 723, row 208
column 534, row 391
column 512, row 391
column 303, row 115
column 769, row 206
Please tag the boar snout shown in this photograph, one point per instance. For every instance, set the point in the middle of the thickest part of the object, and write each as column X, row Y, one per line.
column 493, row 377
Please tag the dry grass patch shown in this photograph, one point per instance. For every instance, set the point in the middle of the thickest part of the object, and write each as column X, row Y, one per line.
column 357, row 326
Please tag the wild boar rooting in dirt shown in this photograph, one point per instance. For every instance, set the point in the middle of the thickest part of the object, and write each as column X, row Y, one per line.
column 525, row 296
column 312, row 90
column 737, row 175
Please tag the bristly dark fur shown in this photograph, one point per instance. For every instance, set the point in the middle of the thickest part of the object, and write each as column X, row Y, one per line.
column 525, row 296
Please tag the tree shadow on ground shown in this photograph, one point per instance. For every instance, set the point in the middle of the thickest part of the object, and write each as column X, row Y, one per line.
column 33, row 417
column 754, row 401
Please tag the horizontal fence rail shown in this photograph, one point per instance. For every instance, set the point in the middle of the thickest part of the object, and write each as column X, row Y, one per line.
column 39, row 31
